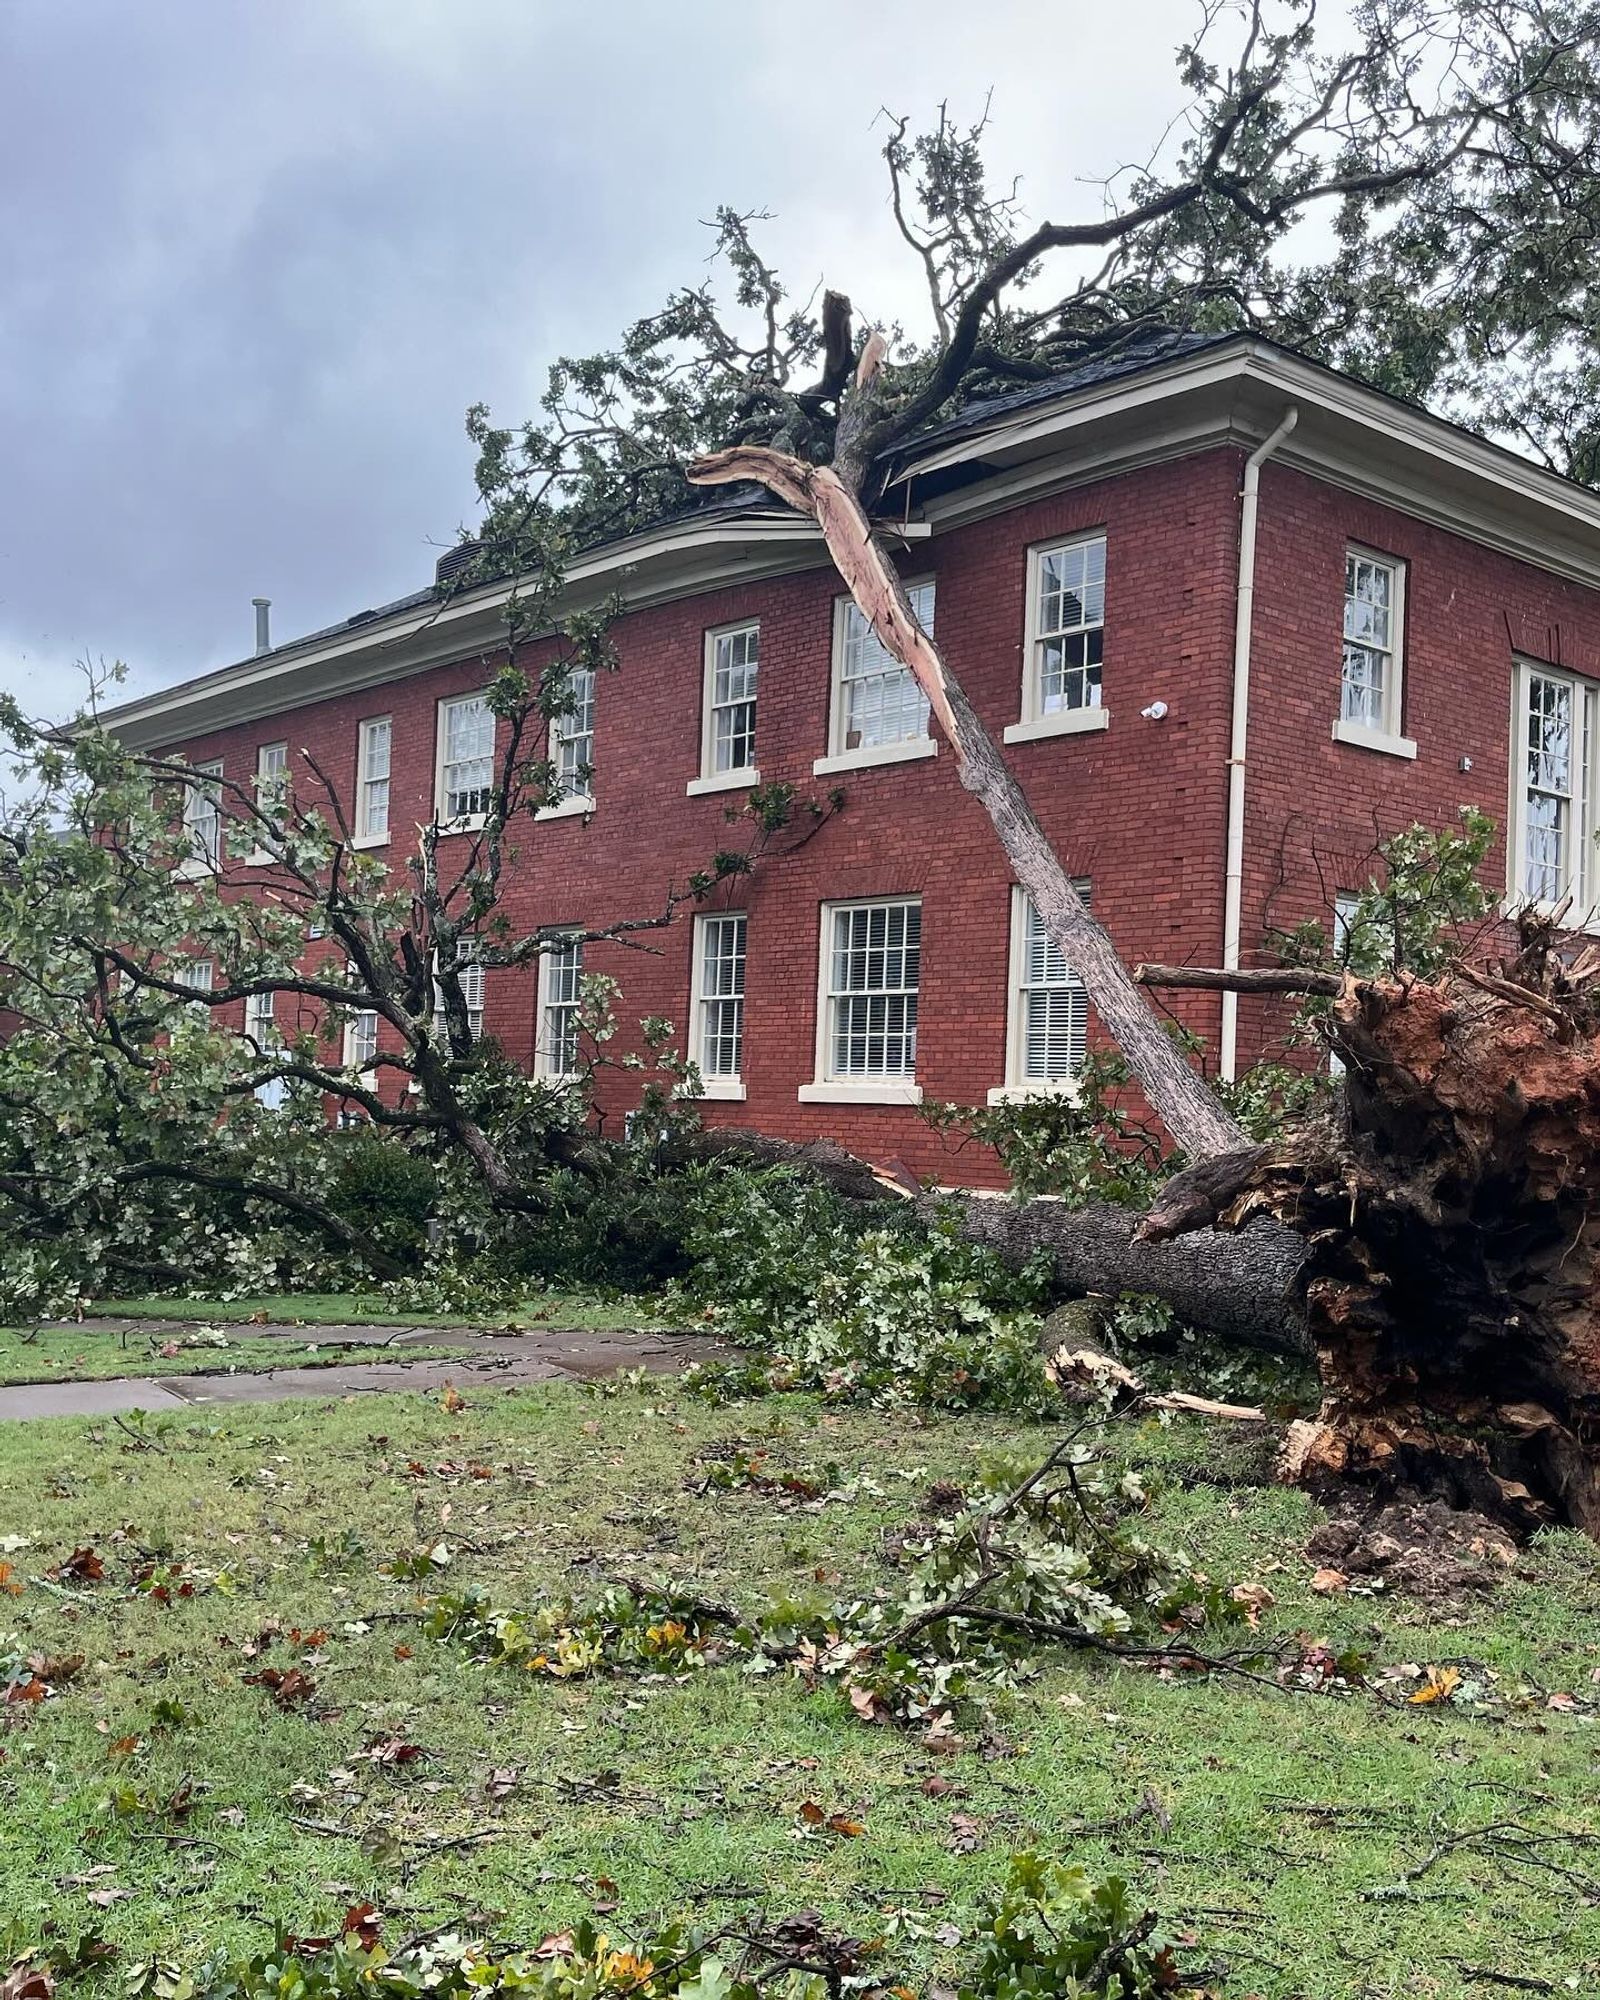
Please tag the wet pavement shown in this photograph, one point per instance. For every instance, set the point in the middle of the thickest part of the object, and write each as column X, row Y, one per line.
column 485, row 1360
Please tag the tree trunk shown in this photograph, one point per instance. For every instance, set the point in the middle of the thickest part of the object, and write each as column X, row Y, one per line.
column 1176, row 1093
column 1452, row 1273
column 1239, row 1285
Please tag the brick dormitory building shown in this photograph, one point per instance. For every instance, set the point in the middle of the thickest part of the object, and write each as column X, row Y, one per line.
column 1214, row 734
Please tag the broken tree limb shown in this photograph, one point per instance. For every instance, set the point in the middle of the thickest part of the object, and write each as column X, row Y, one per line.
column 1179, row 1097
column 1255, row 979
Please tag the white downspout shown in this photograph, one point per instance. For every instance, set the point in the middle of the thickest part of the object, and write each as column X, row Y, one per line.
column 1244, row 619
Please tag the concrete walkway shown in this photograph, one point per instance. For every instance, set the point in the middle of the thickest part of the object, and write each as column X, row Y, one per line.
column 486, row 1360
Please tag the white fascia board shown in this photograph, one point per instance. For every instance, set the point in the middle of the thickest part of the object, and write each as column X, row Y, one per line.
column 674, row 562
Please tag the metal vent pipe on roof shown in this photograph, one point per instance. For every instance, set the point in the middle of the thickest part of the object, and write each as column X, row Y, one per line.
column 263, row 607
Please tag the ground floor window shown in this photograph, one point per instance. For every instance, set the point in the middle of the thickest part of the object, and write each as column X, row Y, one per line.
column 718, row 1001
column 560, row 992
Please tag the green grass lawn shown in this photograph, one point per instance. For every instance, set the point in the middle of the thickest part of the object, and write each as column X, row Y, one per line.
column 560, row 1309
column 92, row 1353
column 1276, row 1827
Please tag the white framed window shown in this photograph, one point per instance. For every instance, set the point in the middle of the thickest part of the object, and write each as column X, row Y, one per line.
column 199, row 976
column 1346, row 902
column 1553, row 792
column 272, row 788
column 716, row 1001
column 261, row 1028
column 469, row 971
column 466, row 761
column 877, row 713
column 1063, row 640
column 560, row 993
column 728, row 711
column 1047, row 1012
column 870, row 979
column 373, row 748
column 361, row 1039
column 1370, row 679
column 202, row 819
column 572, row 747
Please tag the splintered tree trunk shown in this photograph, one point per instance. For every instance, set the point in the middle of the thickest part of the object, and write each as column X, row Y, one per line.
column 1179, row 1097
column 1452, row 1223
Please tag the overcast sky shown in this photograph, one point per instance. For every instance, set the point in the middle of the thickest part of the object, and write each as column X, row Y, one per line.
column 258, row 259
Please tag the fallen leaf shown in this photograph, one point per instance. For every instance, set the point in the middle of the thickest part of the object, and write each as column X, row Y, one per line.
column 27, row 1982
column 286, row 1689
column 1254, row 1598
column 1330, row 1582
column 1438, row 1684
column 452, row 1402
column 82, row 1566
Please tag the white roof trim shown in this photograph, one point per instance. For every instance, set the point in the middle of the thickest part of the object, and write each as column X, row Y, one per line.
column 684, row 559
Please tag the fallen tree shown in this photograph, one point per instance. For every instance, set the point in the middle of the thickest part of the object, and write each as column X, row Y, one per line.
column 1451, row 1277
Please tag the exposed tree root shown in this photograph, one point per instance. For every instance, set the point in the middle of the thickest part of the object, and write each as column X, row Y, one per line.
column 1452, row 1273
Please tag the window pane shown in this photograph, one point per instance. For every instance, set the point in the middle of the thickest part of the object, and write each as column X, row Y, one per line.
column 879, row 700
column 735, row 666
column 468, row 757
column 562, row 976
column 1054, row 1004
column 372, row 812
column 1070, row 625
column 722, row 961
column 1367, row 676
column 874, row 978
column 572, row 734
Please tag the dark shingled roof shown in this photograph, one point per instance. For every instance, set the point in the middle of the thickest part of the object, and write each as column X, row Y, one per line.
column 1151, row 352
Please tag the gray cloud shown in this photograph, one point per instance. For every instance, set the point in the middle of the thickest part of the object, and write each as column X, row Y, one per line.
column 258, row 261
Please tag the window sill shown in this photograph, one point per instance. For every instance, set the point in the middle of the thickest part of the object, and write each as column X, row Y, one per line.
column 557, row 1079
column 730, row 1089
column 1362, row 738
column 876, row 753
column 197, row 871
column 722, row 781
column 370, row 840
column 578, row 806
column 1064, row 722
column 467, row 823
column 886, row 1090
column 1029, row 1093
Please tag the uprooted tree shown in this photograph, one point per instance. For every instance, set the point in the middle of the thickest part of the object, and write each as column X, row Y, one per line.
column 1458, row 153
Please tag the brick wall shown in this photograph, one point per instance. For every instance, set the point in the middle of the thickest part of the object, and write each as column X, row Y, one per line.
column 1138, row 808
column 1316, row 807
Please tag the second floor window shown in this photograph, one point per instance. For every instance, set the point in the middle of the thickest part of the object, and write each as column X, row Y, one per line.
column 466, row 758
column 1554, row 769
column 733, row 659
column 202, row 816
column 1369, row 689
column 877, row 704
column 572, row 736
column 372, row 780
column 560, row 994
column 1067, row 621
column 361, row 1039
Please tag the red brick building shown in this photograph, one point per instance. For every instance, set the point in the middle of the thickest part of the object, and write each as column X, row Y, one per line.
column 1417, row 628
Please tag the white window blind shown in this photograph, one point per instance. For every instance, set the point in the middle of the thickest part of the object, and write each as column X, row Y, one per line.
column 719, row 1043
column 874, row 972
column 372, row 778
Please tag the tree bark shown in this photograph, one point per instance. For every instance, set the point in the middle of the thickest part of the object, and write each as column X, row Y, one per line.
column 1179, row 1097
